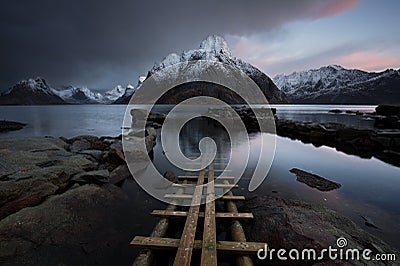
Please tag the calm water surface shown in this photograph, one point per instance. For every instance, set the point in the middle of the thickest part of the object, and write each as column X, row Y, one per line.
column 369, row 186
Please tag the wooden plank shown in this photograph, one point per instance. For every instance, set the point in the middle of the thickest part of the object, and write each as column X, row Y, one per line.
column 221, row 170
column 232, row 247
column 237, row 232
column 220, row 215
column 225, row 186
column 215, row 185
column 147, row 257
column 215, row 163
column 195, row 177
column 209, row 248
column 189, row 196
column 185, row 249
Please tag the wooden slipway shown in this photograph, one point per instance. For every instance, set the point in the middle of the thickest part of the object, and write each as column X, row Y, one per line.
column 208, row 245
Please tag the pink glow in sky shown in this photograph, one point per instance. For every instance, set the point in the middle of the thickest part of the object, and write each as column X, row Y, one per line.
column 355, row 34
column 371, row 61
column 335, row 8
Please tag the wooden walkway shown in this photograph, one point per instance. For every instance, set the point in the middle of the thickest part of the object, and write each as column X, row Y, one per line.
column 209, row 246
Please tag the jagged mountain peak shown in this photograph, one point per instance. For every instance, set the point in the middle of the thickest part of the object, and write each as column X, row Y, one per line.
column 216, row 44
column 215, row 48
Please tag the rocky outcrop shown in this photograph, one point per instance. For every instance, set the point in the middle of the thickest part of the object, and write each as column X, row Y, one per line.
column 387, row 116
column 32, row 169
column 382, row 144
column 314, row 181
column 58, row 202
column 82, row 226
column 10, row 126
column 292, row 224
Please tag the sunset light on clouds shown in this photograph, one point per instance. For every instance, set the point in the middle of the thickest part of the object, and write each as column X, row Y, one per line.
column 354, row 34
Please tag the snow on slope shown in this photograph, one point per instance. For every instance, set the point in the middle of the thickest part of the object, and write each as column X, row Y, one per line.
column 332, row 81
column 215, row 48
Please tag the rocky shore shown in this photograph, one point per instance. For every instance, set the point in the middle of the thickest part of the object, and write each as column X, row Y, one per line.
column 292, row 224
column 10, row 126
column 382, row 144
column 60, row 200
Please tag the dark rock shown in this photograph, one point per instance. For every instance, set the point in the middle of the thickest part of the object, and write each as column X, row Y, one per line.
column 80, row 145
column 97, row 177
column 10, row 126
column 336, row 111
column 369, row 222
column 314, row 181
column 114, row 156
column 15, row 196
column 388, row 110
column 94, row 154
column 291, row 224
column 119, row 174
column 171, row 176
column 362, row 142
column 156, row 117
column 33, row 168
column 65, row 228
column 387, row 122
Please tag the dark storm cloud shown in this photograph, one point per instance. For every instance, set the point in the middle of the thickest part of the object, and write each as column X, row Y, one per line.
column 101, row 43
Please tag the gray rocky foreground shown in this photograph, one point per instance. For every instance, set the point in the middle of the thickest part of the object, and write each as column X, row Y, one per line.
column 60, row 200
column 292, row 224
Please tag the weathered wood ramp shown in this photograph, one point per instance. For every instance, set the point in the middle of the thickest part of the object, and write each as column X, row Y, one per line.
column 209, row 246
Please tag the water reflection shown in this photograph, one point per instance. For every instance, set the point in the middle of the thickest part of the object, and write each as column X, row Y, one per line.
column 369, row 186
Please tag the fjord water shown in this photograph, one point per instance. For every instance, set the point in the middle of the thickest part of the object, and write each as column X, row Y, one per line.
column 369, row 186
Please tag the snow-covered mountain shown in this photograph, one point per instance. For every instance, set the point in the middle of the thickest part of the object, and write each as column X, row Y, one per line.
column 215, row 48
column 30, row 92
column 126, row 96
column 74, row 95
column 335, row 84
column 38, row 92
column 84, row 95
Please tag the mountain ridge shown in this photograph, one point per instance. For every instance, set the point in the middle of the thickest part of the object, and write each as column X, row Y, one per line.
column 215, row 48
column 334, row 84
column 38, row 92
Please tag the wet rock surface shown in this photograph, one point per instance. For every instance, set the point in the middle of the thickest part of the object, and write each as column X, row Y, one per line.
column 292, row 224
column 58, row 201
column 314, row 181
column 79, row 227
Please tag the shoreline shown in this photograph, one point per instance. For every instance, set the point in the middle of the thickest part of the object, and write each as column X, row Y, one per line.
column 64, row 173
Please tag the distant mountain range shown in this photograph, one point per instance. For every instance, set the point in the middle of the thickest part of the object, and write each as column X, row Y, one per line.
column 334, row 84
column 331, row 84
column 38, row 92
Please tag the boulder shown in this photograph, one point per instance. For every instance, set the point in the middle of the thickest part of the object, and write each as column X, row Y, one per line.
column 119, row 174
column 314, row 181
column 96, row 155
column 388, row 110
column 82, row 226
column 98, row 177
column 292, row 224
column 80, row 145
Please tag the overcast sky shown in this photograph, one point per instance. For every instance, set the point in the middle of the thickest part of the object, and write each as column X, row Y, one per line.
column 100, row 44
